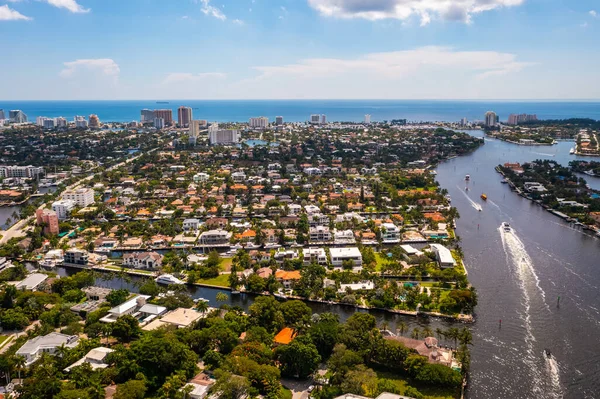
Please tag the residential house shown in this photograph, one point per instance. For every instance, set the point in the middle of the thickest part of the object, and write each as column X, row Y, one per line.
column 390, row 233
column 143, row 260
column 215, row 237
column 340, row 255
column 343, row 237
column 33, row 282
column 320, row 234
column 32, row 350
column 128, row 307
column 314, row 255
column 287, row 278
column 191, row 224
column 443, row 255
column 76, row 257
column 96, row 358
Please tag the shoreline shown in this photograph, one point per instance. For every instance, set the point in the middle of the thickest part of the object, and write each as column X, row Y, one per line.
column 522, row 144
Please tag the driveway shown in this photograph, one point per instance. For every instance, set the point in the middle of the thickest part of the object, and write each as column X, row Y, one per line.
column 299, row 388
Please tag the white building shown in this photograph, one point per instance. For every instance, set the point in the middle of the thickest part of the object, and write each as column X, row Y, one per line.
column 339, row 255
column 390, row 233
column 314, row 255
column 261, row 122
column 215, row 237
column 491, row 119
column 17, row 116
column 80, row 122
column 29, row 171
column 201, row 177
column 77, row 257
column 191, row 225
column 320, row 234
column 63, row 208
column 443, row 255
column 61, row 122
column 143, row 260
column 32, row 350
column 49, row 123
column 131, row 307
column 367, row 119
column 159, row 123
column 81, row 196
column 223, row 136
column 31, row 282
column 95, row 358
column 344, row 237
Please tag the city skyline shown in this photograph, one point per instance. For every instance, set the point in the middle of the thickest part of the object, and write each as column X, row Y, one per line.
column 354, row 49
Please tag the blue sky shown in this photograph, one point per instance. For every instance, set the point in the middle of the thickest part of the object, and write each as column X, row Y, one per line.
column 237, row 49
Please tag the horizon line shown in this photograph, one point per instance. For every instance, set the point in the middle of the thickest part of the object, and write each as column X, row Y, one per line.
column 323, row 99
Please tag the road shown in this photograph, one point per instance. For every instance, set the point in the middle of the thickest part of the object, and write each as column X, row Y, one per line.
column 18, row 229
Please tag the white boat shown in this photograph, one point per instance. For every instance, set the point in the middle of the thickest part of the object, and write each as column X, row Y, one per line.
column 168, row 279
column 236, row 247
column 572, row 151
column 506, row 227
column 272, row 246
column 251, row 246
column 590, row 173
column 468, row 177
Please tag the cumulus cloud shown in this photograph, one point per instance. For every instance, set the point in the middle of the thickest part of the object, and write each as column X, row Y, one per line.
column 178, row 77
column 455, row 10
column 70, row 5
column 213, row 11
column 399, row 64
column 593, row 13
column 8, row 14
column 104, row 66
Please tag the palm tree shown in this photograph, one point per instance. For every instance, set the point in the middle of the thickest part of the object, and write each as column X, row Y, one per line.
column 222, row 297
column 384, row 326
column 466, row 338
column 416, row 333
column 427, row 332
column 202, row 306
column 453, row 333
column 19, row 365
column 401, row 328
column 440, row 333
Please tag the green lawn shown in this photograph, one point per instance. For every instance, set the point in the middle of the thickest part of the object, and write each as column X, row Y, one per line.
column 3, row 339
column 118, row 269
column 381, row 260
column 221, row 281
column 226, row 264
column 428, row 391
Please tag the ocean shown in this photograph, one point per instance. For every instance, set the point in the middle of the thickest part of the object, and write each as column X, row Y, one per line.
column 300, row 110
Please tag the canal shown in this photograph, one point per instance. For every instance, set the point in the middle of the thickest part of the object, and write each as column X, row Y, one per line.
column 519, row 277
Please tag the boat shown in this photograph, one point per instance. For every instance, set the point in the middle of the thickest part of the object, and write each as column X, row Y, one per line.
column 251, row 246
column 484, row 197
column 468, row 177
column 168, row 279
column 547, row 353
column 235, row 292
column 506, row 227
column 572, row 151
column 236, row 247
column 280, row 295
column 272, row 246
column 162, row 102
column 504, row 181
column 466, row 188
column 590, row 173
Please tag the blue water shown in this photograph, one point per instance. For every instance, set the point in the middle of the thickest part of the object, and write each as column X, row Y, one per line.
column 300, row 110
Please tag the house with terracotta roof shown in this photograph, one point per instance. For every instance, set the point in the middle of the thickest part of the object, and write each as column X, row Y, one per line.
column 287, row 278
column 285, row 336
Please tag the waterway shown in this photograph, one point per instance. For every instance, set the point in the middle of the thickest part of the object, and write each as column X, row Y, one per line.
column 519, row 277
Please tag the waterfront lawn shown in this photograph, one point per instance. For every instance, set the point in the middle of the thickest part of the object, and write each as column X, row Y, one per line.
column 428, row 391
column 381, row 259
column 118, row 269
column 226, row 264
column 222, row 280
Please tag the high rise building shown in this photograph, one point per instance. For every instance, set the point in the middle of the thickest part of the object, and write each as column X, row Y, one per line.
column 159, row 123
column 2, row 114
column 367, row 119
column 491, row 119
column 323, row 119
column 260, row 122
column 49, row 219
column 315, row 119
column 165, row 114
column 17, row 116
column 80, row 122
column 147, row 116
column 279, row 120
column 94, row 121
column 195, row 127
column 40, row 120
column 515, row 119
column 61, row 122
column 223, row 136
column 184, row 116
column 49, row 123
column 464, row 122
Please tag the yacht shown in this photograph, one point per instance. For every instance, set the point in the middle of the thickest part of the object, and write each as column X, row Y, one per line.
column 504, row 181
column 468, row 177
column 251, row 246
column 572, row 151
column 272, row 246
column 506, row 227
column 168, row 279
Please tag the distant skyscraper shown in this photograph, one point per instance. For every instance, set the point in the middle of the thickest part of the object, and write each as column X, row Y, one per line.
column 515, row 119
column 184, row 116
column 195, row 127
column 2, row 114
column 218, row 136
column 464, row 122
column 315, row 119
column 260, row 122
column 17, row 116
column 147, row 116
column 40, row 120
column 49, row 123
column 80, row 122
column 166, row 114
column 323, row 119
column 367, row 118
column 159, row 123
column 491, row 119
column 279, row 120
column 61, row 122
column 94, row 121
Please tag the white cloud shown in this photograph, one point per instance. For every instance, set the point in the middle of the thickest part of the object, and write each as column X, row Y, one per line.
column 105, row 66
column 179, row 77
column 8, row 14
column 400, row 64
column 593, row 13
column 212, row 10
column 455, row 10
column 70, row 5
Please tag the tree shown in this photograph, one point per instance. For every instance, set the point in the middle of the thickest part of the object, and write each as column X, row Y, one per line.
column 132, row 389
column 401, row 328
column 126, row 328
column 324, row 334
column 416, row 333
column 296, row 313
column 265, row 312
column 149, row 287
column 255, row 283
column 299, row 358
column 231, row 386
column 341, row 361
column 361, row 381
column 222, row 297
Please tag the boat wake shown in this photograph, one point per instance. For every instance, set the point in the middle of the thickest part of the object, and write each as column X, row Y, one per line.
column 473, row 203
column 518, row 257
column 544, row 154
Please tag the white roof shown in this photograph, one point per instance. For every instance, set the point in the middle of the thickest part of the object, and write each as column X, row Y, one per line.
column 345, row 252
column 128, row 305
column 32, row 281
column 443, row 253
column 152, row 309
column 51, row 340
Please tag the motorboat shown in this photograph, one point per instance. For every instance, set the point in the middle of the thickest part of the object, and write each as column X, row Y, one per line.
column 484, row 197
column 504, row 181
column 168, row 279
column 572, row 151
column 251, row 246
column 468, row 177
column 506, row 227
column 547, row 353
column 272, row 246
column 236, row 247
